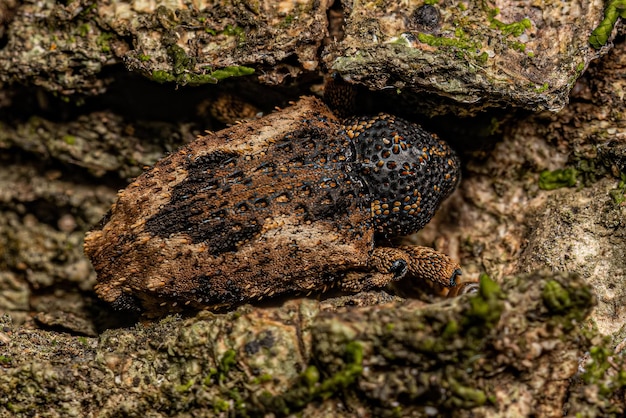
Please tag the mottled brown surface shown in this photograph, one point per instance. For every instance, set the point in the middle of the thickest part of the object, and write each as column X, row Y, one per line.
column 288, row 203
column 184, row 230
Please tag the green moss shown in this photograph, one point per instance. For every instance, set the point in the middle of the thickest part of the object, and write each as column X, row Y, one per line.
column 451, row 329
column 345, row 377
column 212, row 77
column 83, row 30
column 568, row 306
column 556, row 297
column 162, row 76
column 466, row 397
column 613, row 10
column 287, row 21
column 87, row 10
column 231, row 72
column 238, row 400
column 429, row 344
column 184, row 71
column 482, row 58
column 228, row 361
column 589, row 169
column 462, row 44
column 185, row 387
column 494, row 126
column 308, row 386
column 619, row 193
column 618, row 196
column 597, row 371
column 515, row 28
column 550, row 180
column 180, row 60
column 69, row 139
column 103, row 41
column 5, row 359
column 544, row 87
column 437, row 41
column 397, row 412
column 486, row 306
column 310, row 377
column 144, row 57
column 518, row 46
column 236, row 31
column 266, row 377
column 220, row 405
column 208, row 380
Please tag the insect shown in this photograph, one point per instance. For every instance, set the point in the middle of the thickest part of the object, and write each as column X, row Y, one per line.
column 296, row 201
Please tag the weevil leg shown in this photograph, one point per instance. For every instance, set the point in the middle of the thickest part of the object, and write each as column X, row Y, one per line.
column 428, row 264
column 358, row 281
column 460, row 289
column 387, row 264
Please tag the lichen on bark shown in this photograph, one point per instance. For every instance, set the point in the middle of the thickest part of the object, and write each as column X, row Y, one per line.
column 468, row 354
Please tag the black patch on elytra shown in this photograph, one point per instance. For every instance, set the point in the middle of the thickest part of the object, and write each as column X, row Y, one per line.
column 216, row 293
column 126, row 302
column 338, row 208
column 223, row 235
column 195, row 210
column 210, row 161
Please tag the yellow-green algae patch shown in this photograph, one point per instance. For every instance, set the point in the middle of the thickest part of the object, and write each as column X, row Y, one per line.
column 613, row 10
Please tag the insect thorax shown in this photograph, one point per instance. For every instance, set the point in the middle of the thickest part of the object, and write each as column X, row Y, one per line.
column 408, row 172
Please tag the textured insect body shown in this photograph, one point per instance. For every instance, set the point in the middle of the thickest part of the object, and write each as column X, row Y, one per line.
column 407, row 171
column 289, row 203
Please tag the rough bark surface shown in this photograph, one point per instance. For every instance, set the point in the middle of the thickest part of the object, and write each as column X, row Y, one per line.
column 392, row 359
